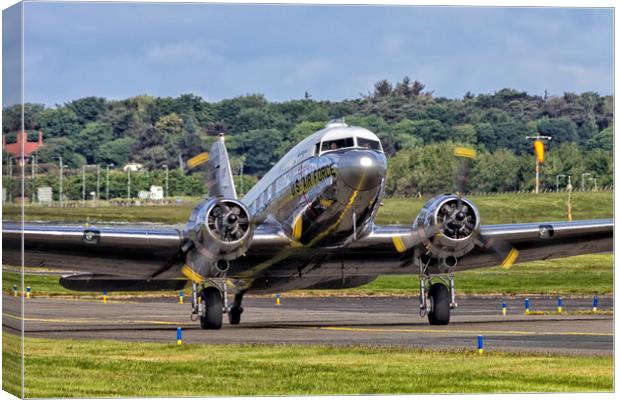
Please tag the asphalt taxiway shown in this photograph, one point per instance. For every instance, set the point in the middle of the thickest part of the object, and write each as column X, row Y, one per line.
column 328, row 321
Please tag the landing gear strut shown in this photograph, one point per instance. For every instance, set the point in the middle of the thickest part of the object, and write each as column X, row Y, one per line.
column 234, row 314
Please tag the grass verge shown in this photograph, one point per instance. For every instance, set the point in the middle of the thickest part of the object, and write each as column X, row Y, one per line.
column 495, row 209
column 103, row 368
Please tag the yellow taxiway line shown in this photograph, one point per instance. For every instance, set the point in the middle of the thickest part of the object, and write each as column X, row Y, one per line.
column 79, row 321
column 476, row 332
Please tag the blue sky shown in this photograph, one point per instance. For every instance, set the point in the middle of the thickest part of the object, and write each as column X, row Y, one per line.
column 333, row 52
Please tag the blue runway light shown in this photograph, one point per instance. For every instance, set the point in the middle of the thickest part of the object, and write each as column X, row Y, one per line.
column 15, row 290
column 504, row 308
column 480, row 345
column 181, row 297
column 105, row 296
column 560, row 303
column 179, row 335
column 278, row 299
column 527, row 306
column 595, row 304
column 27, row 292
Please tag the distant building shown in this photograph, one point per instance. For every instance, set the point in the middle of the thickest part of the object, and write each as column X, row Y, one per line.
column 133, row 167
column 16, row 148
column 157, row 193
column 44, row 194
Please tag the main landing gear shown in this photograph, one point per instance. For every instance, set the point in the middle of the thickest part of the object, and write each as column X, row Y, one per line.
column 438, row 300
column 210, row 303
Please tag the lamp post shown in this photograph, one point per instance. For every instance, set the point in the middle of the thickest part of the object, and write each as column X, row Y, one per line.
column 83, row 184
column 557, row 181
column 107, row 181
column 32, row 162
column 10, row 178
column 538, row 138
column 241, row 175
column 583, row 179
column 98, row 183
column 166, row 171
column 128, row 183
column 60, row 194
column 593, row 179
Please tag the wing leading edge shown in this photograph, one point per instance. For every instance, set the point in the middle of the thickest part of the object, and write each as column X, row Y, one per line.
column 135, row 252
column 534, row 241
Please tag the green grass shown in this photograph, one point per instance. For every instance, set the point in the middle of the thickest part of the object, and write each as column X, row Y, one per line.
column 580, row 275
column 513, row 207
column 505, row 208
column 103, row 368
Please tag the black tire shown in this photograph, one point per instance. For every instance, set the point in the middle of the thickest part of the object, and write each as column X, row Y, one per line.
column 439, row 304
column 211, row 299
column 234, row 315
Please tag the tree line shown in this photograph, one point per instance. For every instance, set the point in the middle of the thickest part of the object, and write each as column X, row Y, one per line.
column 417, row 130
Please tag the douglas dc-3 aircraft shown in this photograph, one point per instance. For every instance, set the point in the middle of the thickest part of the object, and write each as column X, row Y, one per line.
column 307, row 224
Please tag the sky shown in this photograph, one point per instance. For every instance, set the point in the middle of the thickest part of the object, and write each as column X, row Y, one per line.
column 217, row 51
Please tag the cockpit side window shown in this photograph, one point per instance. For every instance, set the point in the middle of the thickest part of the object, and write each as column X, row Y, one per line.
column 337, row 144
column 368, row 144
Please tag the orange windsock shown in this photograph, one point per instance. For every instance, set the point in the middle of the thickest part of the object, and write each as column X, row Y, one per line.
column 539, row 150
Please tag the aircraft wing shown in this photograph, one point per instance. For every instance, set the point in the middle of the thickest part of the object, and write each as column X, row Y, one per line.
column 533, row 241
column 138, row 252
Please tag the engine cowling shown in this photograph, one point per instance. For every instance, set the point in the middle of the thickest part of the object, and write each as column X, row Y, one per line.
column 454, row 223
column 221, row 230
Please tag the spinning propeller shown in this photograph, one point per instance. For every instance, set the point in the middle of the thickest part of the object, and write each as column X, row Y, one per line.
column 449, row 225
column 219, row 228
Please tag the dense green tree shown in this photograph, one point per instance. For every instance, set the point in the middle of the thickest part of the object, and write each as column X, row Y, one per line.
column 495, row 172
column 560, row 129
column 89, row 139
column 57, row 122
column 260, row 148
column 12, row 117
column 603, row 140
column 117, row 151
column 87, row 109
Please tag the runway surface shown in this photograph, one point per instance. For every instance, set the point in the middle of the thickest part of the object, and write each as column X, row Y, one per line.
column 329, row 320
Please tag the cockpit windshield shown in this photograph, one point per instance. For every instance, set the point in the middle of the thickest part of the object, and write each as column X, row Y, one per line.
column 337, row 144
column 349, row 142
column 368, row 144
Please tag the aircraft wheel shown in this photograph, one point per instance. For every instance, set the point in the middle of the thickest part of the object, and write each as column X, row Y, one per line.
column 439, row 304
column 211, row 299
column 234, row 315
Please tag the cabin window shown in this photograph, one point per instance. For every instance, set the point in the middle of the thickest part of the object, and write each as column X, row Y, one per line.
column 337, row 144
column 368, row 144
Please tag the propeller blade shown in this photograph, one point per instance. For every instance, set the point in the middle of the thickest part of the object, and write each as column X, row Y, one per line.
column 464, row 156
column 197, row 160
column 504, row 251
column 421, row 235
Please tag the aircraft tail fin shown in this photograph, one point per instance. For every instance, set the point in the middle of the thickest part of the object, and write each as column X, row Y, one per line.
column 219, row 173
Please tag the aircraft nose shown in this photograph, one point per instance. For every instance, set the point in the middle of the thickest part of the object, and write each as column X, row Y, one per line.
column 362, row 169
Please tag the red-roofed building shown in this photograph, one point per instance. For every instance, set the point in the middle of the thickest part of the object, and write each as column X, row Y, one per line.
column 16, row 148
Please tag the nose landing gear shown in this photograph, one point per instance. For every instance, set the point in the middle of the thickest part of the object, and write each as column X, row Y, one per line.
column 210, row 303
column 439, row 299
